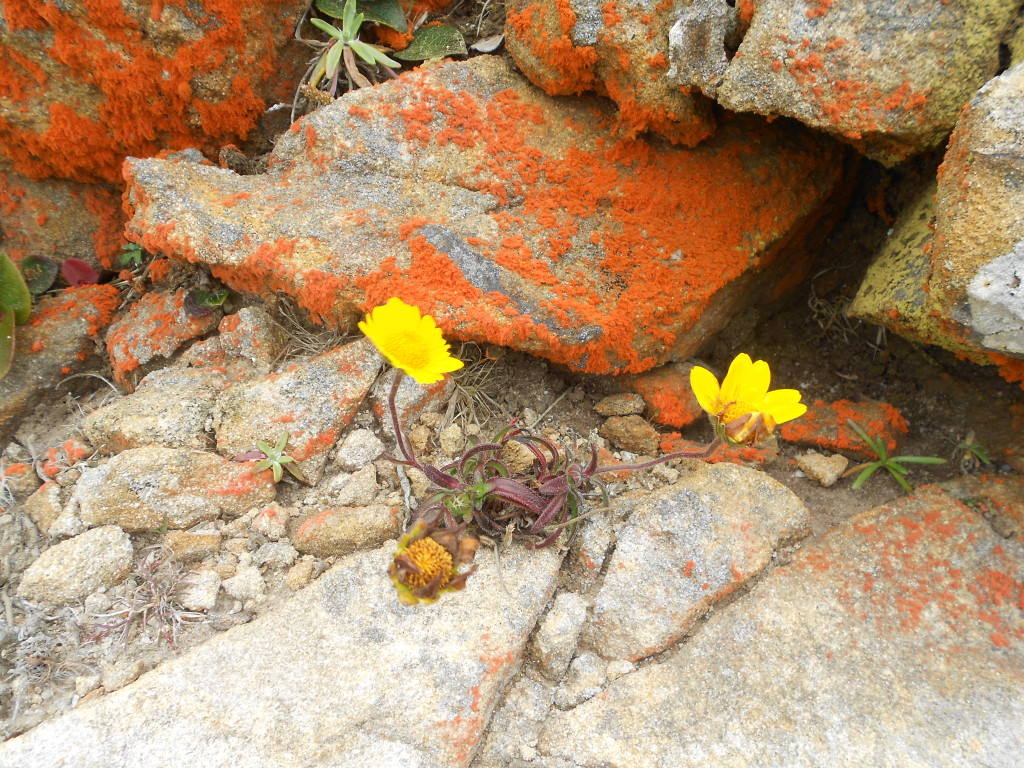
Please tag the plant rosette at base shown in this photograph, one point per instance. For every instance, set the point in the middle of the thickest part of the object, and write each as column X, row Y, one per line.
column 540, row 503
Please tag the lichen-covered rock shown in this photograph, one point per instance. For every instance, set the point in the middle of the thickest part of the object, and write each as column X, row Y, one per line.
column 965, row 229
column 170, row 407
column 313, row 401
column 685, row 547
column 155, row 327
column 59, row 219
column 842, row 658
column 85, row 83
column 888, row 77
column 509, row 216
column 248, row 344
column 827, row 425
column 667, row 393
column 57, row 340
column 619, row 49
column 70, row 570
column 145, row 489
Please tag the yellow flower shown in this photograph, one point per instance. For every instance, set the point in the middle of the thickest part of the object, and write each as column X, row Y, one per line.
column 742, row 409
column 410, row 341
column 427, row 562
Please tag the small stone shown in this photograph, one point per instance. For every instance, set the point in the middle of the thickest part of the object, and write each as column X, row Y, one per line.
column 246, row 584
column 587, row 676
column 431, row 419
column 826, row 470
column 120, row 673
column 358, row 489
column 237, row 546
column 70, row 570
column 517, row 456
column 358, row 449
column 189, row 547
column 631, row 433
column 418, row 482
column 626, row 404
column 44, row 506
column 198, row 591
column 272, row 522
column 277, row 554
column 419, row 437
column 87, row 682
column 452, row 440
column 299, row 574
column 338, row 531
column 555, row 641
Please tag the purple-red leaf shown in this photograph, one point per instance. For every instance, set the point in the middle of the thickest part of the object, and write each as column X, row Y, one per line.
column 76, row 272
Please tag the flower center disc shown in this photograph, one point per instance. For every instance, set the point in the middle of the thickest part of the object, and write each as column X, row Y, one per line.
column 432, row 559
column 409, row 349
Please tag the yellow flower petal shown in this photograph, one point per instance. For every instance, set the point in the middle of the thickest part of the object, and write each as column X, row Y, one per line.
column 410, row 341
column 737, row 373
column 788, row 412
column 705, row 389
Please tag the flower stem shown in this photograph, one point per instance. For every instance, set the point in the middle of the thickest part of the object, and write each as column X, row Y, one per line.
column 403, row 446
column 708, row 450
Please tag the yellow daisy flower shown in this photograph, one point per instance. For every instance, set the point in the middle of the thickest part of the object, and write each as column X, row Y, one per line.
column 410, row 341
column 742, row 409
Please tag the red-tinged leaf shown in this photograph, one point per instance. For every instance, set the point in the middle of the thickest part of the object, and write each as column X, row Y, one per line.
column 76, row 272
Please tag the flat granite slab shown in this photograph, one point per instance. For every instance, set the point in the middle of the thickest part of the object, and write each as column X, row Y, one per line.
column 342, row 675
column 897, row 640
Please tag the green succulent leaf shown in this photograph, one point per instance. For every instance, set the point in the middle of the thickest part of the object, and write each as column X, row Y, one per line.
column 211, row 298
column 371, row 55
column 278, row 472
column 918, row 459
column 6, row 341
column 864, row 476
column 282, row 442
column 386, row 12
column 131, row 255
column 333, row 58
column 434, row 42
column 323, row 26
column 14, row 293
column 39, row 273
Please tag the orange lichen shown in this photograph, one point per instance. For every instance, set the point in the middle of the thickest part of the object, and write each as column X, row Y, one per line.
column 146, row 97
column 825, row 425
column 567, row 69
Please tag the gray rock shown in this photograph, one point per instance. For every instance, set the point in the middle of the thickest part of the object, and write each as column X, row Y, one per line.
column 358, row 489
column 312, row 401
column 587, row 675
column 246, row 584
column 340, row 530
column 198, row 590
column 58, row 340
column 170, row 407
column 278, row 554
column 249, row 336
column 890, row 79
column 684, row 547
column 892, row 641
column 70, row 570
column 516, row 723
column 555, row 640
column 698, row 42
column 358, row 449
column 996, row 297
column 393, row 685
column 44, row 506
column 147, row 488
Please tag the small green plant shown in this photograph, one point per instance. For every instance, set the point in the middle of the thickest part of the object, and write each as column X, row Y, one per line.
column 972, row 455
column 15, row 307
column 150, row 599
column 131, row 255
column 344, row 46
column 894, row 464
column 274, row 458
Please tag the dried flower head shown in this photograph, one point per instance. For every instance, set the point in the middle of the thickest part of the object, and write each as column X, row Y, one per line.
column 742, row 410
column 427, row 562
column 410, row 341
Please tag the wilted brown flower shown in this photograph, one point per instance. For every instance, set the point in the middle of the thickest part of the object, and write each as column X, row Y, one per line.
column 427, row 562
